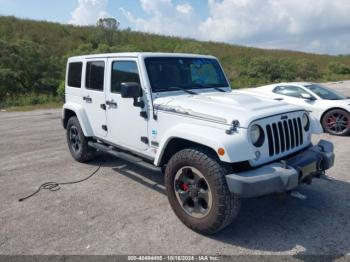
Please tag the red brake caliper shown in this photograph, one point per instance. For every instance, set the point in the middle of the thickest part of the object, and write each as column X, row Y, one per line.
column 184, row 186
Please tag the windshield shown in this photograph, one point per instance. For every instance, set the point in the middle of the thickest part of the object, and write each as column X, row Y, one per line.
column 172, row 73
column 325, row 93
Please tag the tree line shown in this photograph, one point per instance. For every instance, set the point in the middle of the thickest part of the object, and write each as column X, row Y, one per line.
column 33, row 57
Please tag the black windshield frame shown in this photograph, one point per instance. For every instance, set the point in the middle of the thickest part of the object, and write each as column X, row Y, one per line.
column 167, row 73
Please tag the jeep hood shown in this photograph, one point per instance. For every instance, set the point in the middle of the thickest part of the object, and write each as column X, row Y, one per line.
column 223, row 107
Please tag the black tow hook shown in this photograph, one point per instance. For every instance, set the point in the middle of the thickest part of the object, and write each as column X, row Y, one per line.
column 320, row 168
column 320, row 165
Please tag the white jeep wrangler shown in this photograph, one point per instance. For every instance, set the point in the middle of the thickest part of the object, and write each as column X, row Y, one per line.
column 176, row 113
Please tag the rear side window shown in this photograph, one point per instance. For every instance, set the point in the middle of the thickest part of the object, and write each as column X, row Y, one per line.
column 95, row 73
column 74, row 74
column 123, row 71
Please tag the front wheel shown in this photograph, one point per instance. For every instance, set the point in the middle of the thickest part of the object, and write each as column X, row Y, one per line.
column 198, row 192
column 336, row 122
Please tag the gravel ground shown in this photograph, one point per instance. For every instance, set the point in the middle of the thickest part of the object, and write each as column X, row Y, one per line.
column 124, row 209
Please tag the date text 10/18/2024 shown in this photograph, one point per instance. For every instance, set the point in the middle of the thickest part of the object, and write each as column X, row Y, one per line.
column 173, row 258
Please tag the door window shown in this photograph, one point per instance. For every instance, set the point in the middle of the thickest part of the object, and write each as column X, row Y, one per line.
column 123, row 71
column 74, row 74
column 293, row 91
column 325, row 93
column 95, row 72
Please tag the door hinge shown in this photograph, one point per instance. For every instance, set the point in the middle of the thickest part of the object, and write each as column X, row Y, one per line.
column 155, row 143
column 144, row 140
column 104, row 127
column 143, row 114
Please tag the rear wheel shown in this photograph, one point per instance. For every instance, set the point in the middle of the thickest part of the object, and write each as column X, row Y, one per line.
column 336, row 122
column 198, row 193
column 77, row 142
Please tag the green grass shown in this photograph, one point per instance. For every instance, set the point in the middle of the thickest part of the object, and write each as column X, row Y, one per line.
column 33, row 59
column 30, row 102
column 33, row 107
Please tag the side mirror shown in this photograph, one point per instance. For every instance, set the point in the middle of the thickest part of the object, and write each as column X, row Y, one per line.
column 307, row 96
column 130, row 90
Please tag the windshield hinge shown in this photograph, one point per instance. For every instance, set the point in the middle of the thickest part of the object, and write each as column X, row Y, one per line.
column 144, row 139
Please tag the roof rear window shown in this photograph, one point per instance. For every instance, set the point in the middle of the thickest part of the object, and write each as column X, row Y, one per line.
column 74, row 74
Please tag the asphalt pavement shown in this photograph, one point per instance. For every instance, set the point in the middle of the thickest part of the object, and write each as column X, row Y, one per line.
column 123, row 209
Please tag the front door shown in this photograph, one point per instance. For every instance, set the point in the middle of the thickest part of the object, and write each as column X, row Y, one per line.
column 125, row 125
column 94, row 95
column 293, row 95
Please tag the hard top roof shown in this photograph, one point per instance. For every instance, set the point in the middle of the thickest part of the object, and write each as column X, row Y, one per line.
column 138, row 55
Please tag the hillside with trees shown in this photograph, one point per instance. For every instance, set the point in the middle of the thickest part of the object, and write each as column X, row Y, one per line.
column 34, row 53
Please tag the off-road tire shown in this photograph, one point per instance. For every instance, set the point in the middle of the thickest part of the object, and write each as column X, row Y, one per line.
column 326, row 119
column 225, row 205
column 85, row 152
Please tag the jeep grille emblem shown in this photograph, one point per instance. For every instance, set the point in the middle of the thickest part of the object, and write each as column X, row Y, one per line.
column 284, row 117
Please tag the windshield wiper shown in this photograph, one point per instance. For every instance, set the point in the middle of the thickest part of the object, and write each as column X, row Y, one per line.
column 214, row 87
column 218, row 89
column 183, row 89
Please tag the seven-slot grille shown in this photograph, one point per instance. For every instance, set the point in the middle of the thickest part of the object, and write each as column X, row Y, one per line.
column 284, row 135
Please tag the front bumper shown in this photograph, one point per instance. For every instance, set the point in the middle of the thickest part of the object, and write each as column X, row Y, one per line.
column 285, row 175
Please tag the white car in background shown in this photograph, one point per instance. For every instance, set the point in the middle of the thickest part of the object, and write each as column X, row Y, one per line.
column 330, row 107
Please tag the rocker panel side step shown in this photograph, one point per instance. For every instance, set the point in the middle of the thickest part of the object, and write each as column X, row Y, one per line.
column 123, row 155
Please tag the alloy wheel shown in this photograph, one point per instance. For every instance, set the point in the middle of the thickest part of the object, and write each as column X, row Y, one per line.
column 193, row 192
column 337, row 122
column 74, row 139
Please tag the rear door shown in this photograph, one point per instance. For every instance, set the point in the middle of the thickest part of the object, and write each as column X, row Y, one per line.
column 125, row 125
column 94, row 96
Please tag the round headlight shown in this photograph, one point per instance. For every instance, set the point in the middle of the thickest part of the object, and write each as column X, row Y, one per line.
column 306, row 122
column 257, row 135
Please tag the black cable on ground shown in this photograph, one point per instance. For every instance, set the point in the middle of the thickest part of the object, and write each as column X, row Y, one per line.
column 54, row 186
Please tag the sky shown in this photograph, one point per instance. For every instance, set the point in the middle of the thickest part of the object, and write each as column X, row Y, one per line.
column 317, row 26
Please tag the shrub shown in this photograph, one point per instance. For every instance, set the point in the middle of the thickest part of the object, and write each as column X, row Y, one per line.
column 338, row 68
column 308, row 70
column 61, row 90
column 271, row 69
column 288, row 69
column 265, row 68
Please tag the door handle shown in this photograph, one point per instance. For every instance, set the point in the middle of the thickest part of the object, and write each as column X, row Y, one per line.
column 87, row 99
column 279, row 99
column 111, row 104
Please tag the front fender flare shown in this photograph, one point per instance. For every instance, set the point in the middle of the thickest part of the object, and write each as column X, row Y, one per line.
column 235, row 145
